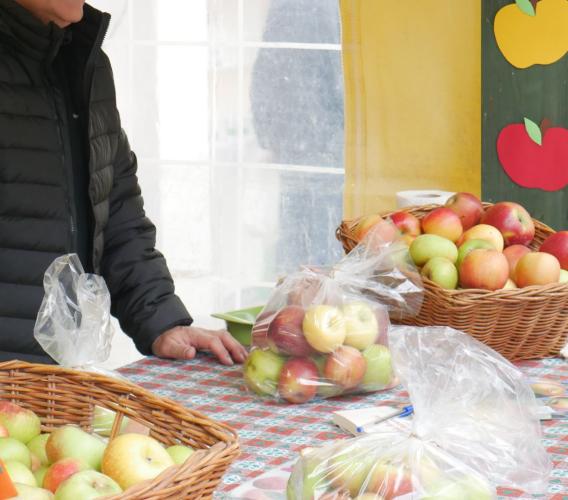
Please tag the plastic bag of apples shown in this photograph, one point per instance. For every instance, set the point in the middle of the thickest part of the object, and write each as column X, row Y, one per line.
column 475, row 427
column 324, row 332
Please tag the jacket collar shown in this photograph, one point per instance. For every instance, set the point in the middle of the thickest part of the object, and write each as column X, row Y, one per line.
column 29, row 35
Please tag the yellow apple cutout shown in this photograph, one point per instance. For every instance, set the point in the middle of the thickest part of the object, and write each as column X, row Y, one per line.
column 527, row 35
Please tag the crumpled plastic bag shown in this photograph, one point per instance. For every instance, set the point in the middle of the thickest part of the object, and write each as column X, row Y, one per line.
column 74, row 322
column 475, row 428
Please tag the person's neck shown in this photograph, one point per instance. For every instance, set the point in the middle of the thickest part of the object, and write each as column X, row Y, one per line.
column 40, row 14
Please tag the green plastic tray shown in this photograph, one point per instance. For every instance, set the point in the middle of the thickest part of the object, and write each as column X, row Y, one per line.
column 240, row 322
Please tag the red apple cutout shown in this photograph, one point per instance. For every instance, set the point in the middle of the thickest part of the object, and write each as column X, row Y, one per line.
column 534, row 159
column 468, row 207
column 285, row 333
column 557, row 245
column 512, row 220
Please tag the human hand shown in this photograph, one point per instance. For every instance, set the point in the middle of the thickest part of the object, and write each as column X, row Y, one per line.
column 183, row 342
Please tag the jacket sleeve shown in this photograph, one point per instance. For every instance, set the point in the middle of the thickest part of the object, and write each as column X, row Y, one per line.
column 137, row 275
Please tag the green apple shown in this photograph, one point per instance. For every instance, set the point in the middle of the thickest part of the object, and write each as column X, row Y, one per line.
column 468, row 488
column 70, row 441
column 37, row 447
column 351, row 469
column 103, row 419
column 19, row 473
column 22, row 424
column 40, row 474
column 563, row 276
column 308, row 477
column 31, row 493
column 471, row 245
column 442, row 272
column 132, row 458
column 428, row 246
column 13, row 450
column 361, row 325
column 379, row 367
column 87, row 485
column 180, row 453
column 262, row 371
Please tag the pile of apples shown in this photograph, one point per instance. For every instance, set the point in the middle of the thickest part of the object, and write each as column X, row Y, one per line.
column 71, row 464
column 320, row 350
column 461, row 245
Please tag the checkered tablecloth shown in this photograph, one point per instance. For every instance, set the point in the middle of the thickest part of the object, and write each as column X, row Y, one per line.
column 271, row 433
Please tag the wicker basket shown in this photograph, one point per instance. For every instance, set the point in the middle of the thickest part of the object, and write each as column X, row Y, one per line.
column 526, row 323
column 61, row 396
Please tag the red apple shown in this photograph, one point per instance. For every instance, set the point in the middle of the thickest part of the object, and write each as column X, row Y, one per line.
column 298, row 380
column 514, row 253
column 60, row 471
column 408, row 224
column 485, row 269
column 444, row 222
column 22, row 424
column 468, row 207
column 285, row 333
column 390, row 481
column 537, row 268
column 557, row 245
column 345, row 367
column 512, row 220
column 534, row 165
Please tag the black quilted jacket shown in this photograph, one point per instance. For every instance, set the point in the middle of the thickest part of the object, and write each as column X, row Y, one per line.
column 36, row 186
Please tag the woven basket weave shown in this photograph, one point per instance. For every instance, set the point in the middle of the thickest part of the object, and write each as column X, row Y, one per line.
column 61, row 396
column 526, row 323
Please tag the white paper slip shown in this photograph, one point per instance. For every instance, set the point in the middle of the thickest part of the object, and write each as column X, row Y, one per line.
column 352, row 420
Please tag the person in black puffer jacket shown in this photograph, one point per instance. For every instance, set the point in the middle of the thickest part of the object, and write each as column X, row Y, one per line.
column 68, row 184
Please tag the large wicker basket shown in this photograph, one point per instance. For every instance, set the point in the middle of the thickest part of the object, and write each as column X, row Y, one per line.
column 526, row 323
column 61, row 396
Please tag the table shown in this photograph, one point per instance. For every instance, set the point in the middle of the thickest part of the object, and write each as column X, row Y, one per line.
column 272, row 433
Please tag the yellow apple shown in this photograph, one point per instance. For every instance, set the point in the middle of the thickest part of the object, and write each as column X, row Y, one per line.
column 361, row 325
column 324, row 328
column 19, row 473
column 71, row 441
column 132, row 458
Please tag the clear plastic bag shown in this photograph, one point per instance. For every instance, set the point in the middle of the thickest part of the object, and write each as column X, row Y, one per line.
column 475, row 428
column 324, row 332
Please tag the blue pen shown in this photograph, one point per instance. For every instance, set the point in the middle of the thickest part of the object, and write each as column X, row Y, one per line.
column 405, row 411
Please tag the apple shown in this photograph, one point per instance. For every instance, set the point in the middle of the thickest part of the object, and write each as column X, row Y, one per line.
column 262, row 371
column 378, row 374
column 510, row 285
column 485, row 269
column 87, row 485
column 512, row 220
column 350, row 470
column 37, row 448
column 537, row 268
column 40, row 474
column 470, row 487
column 408, row 224
column 32, row 493
column 4, row 432
column 70, row 441
column 103, row 420
column 471, row 245
column 365, row 224
column 326, row 389
column 374, row 229
column 369, row 496
column 407, row 239
column 60, row 471
column 468, row 208
column 335, row 495
column 442, row 272
column 22, row 424
column 313, row 481
column 528, row 163
column 563, row 276
column 484, row 232
column 361, row 325
column 35, row 461
column 345, row 367
column 180, row 453
column 514, row 254
column 444, row 222
column 19, row 473
column 13, row 450
column 132, row 458
column 298, row 380
column 557, row 245
column 390, row 481
column 285, row 334
column 427, row 246
column 324, row 327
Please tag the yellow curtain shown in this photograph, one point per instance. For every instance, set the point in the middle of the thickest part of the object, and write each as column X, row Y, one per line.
column 412, row 99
